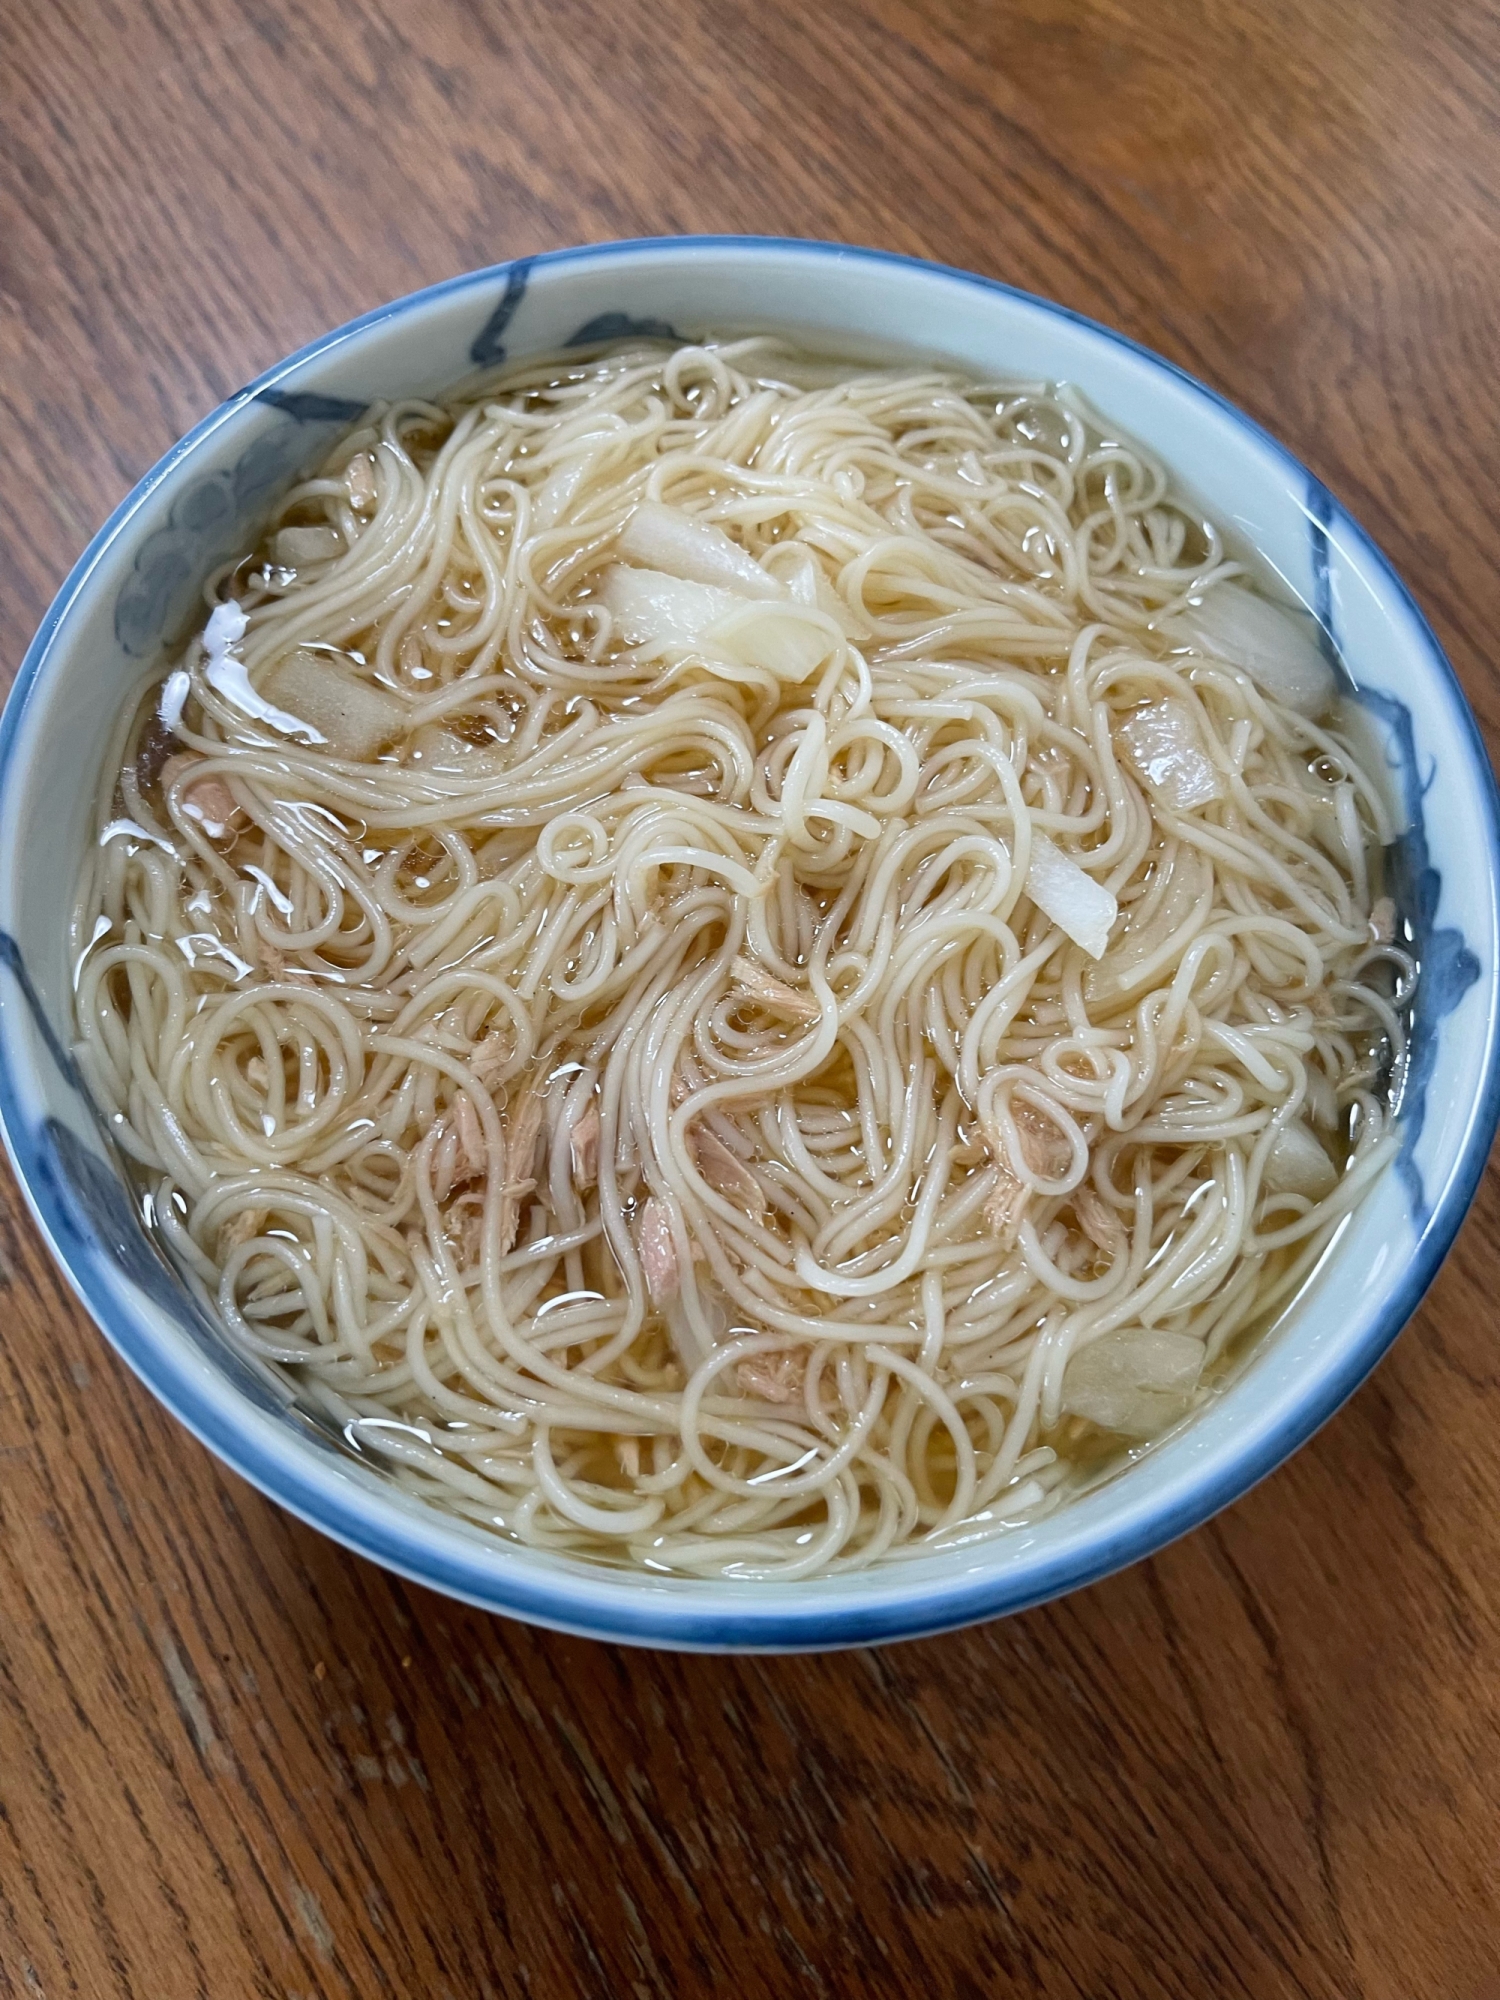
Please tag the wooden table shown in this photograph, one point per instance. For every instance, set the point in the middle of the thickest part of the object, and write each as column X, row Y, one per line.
column 235, row 1761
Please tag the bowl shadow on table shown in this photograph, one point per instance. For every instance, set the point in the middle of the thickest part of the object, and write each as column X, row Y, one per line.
column 1233, row 1738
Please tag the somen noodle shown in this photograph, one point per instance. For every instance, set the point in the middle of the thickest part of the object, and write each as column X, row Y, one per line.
column 743, row 964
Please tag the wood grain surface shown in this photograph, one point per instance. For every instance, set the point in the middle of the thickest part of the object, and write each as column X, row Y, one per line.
column 235, row 1761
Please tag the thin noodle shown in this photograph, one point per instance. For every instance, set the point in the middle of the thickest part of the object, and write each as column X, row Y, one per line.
column 628, row 1079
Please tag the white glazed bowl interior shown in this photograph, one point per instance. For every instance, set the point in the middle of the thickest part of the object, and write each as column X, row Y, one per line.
column 139, row 580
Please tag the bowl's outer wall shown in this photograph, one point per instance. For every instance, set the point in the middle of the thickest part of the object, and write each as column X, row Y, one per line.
column 141, row 578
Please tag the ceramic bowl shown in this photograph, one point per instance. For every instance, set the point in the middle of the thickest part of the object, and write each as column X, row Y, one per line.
column 138, row 582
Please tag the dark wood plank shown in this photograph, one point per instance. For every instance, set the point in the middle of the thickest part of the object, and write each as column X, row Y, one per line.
column 234, row 1761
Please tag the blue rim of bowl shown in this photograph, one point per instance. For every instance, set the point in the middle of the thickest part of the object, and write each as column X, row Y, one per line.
column 597, row 1604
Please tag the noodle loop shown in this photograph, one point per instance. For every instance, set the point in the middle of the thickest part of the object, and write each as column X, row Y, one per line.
column 740, row 964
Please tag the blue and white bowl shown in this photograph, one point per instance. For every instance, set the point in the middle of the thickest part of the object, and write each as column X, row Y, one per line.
column 138, row 582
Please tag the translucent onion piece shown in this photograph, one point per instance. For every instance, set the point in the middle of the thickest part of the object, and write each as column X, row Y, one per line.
column 353, row 717
column 667, row 612
column 1149, row 938
column 296, row 547
column 781, row 639
column 1074, row 901
column 566, row 480
column 1133, row 1383
column 1165, row 749
column 433, row 748
column 1298, row 1164
column 1278, row 649
column 669, row 615
column 665, row 538
column 798, row 568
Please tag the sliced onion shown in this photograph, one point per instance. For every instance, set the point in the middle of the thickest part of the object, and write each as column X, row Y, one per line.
column 1298, row 1164
column 434, row 748
column 781, row 639
column 349, row 714
column 1277, row 648
column 803, row 576
column 668, row 614
column 663, row 612
column 1133, row 1383
column 1164, row 747
column 1322, row 1104
column 1074, row 901
column 665, row 538
column 1147, row 942
column 559, row 489
column 293, row 547
column 795, row 565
